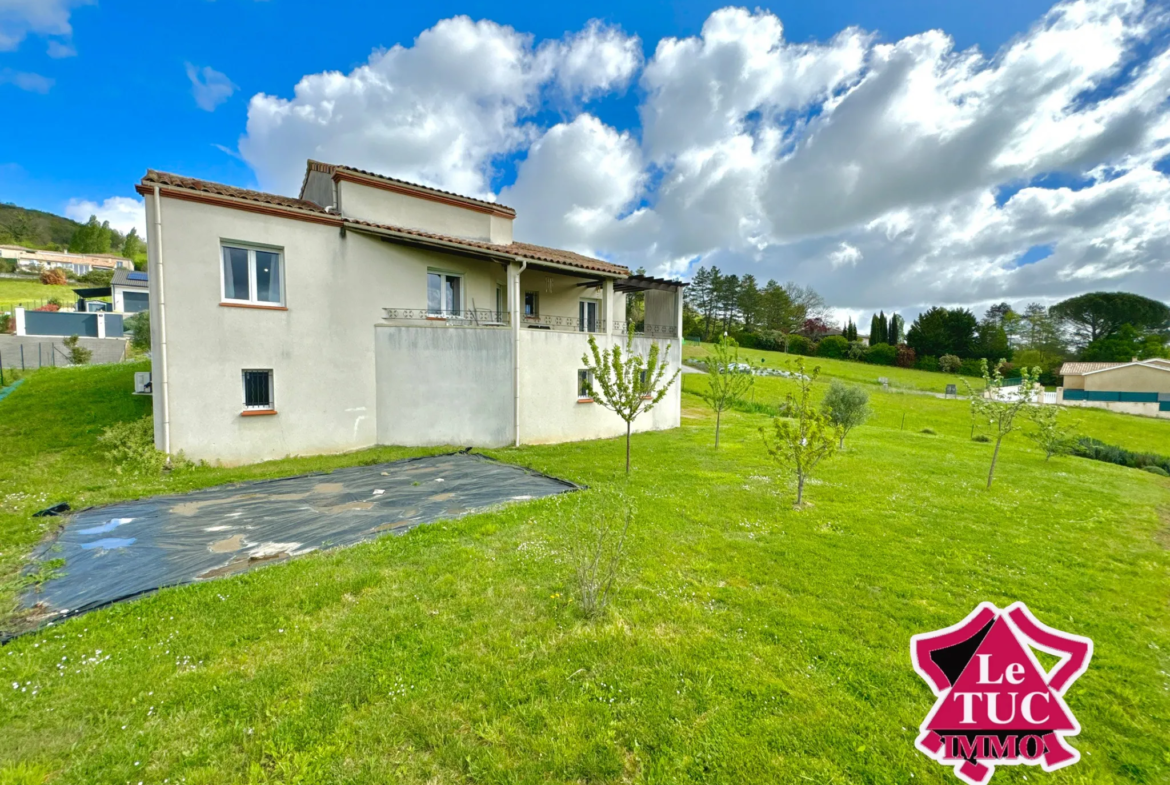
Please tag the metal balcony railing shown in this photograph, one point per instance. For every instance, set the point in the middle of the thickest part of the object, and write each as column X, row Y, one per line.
column 479, row 317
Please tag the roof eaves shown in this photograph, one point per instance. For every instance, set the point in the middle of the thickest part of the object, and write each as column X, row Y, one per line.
column 1143, row 363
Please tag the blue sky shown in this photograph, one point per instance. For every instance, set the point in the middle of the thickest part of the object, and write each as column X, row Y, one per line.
column 128, row 83
column 894, row 155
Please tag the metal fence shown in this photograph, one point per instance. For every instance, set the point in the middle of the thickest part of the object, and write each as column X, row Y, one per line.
column 485, row 317
column 30, row 352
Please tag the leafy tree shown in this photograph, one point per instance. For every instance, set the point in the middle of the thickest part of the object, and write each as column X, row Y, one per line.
column 1091, row 317
column 1001, row 413
column 1124, row 345
column 625, row 382
column 800, row 442
column 949, row 363
column 133, row 247
column 727, row 379
column 92, row 237
column 847, row 406
column 1050, row 436
column 992, row 340
column 940, row 331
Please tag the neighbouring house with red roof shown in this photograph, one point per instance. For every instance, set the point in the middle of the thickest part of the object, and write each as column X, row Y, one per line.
column 1136, row 387
column 369, row 310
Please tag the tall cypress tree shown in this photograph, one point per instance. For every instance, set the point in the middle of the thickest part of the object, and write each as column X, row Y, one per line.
column 883, row 328
column 895, row 329
column 874, row 330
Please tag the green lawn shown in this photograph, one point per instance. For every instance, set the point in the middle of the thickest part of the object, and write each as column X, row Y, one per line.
column 749, row 642
column 32, row 292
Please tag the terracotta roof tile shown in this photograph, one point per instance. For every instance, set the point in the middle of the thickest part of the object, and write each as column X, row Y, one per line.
column 1078, row 369
column 205, row 186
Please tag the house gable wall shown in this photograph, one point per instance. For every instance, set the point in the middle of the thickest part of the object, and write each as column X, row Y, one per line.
column 364, row 202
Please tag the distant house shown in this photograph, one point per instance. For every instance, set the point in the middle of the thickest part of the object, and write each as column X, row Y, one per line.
column 1137, row 387
column 129, row 292
column 77, row 263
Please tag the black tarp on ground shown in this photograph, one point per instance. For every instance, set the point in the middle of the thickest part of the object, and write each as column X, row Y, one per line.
column 119, row 551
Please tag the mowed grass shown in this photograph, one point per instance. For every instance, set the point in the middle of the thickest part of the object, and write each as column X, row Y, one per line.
column 749, row 642
column 32, row 292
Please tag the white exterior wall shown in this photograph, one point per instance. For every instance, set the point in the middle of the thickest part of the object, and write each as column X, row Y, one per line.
column 342, row 376
column 559, row 295
column 321, row 349
column 1141, row 409
column 549, row 408
column 367, row 203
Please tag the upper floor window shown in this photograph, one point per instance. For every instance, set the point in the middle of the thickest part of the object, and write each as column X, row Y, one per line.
column 252, row 275
column 531, row 304
column 444, row 293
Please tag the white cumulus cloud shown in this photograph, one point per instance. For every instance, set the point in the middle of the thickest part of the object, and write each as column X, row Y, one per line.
column 123, row 213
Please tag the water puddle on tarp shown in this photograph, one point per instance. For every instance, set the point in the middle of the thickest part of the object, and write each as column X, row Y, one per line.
column 119, row 551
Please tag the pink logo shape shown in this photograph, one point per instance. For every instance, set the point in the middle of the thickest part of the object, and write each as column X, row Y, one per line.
column 996, row 704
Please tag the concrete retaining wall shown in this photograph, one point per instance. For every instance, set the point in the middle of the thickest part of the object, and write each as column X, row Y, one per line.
column 444, row 385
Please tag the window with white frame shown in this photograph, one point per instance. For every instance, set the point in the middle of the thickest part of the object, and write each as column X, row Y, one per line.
column 252, row 275
column 258, row 392
column 444, row 293
column 584, row 385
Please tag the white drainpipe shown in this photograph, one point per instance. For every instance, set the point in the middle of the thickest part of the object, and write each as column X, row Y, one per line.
column 516, row 306
column 162, row 324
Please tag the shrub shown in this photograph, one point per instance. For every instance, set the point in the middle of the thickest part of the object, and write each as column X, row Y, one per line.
column 7, row 265
column 798, row 344
column 906, row 357
column 54, row 277
column 139, row 326
column 50, row 307
column 971, row 367
column 927, row 363
column 97, row 277
column 598, row 529
column 130, row 449
column 982, row 438
column 834, row 346
column 1086, row 447
column 78, row 355
column 856, row 351
column 847, row 406
column 7, row 323
column 881, row 354
column 949, row 363
column 1158, row 470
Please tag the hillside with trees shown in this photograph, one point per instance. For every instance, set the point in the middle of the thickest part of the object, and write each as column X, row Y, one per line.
column 39, row 230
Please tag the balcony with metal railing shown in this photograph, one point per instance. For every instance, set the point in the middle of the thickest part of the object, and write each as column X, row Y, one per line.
column 486, row 317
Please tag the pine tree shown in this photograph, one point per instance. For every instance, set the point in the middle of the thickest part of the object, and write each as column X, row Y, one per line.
column 895, row 336
column 874, row 330
column 883, row 328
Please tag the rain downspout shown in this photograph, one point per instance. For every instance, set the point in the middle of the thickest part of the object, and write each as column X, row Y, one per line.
column 162, row 325
column 516, row 347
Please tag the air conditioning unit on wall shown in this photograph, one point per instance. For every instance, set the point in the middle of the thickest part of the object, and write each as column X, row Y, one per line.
column 142, row 384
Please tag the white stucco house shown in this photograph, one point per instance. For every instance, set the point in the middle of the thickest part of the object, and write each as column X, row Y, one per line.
column 369, row 311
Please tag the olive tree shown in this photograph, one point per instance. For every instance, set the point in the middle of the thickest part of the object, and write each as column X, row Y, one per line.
column 998, row 409
column 625, row 382
column 846, row 406
column 727, row 379
column 799, row 442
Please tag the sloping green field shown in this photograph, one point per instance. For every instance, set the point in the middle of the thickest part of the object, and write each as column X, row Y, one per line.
column 749, row 642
